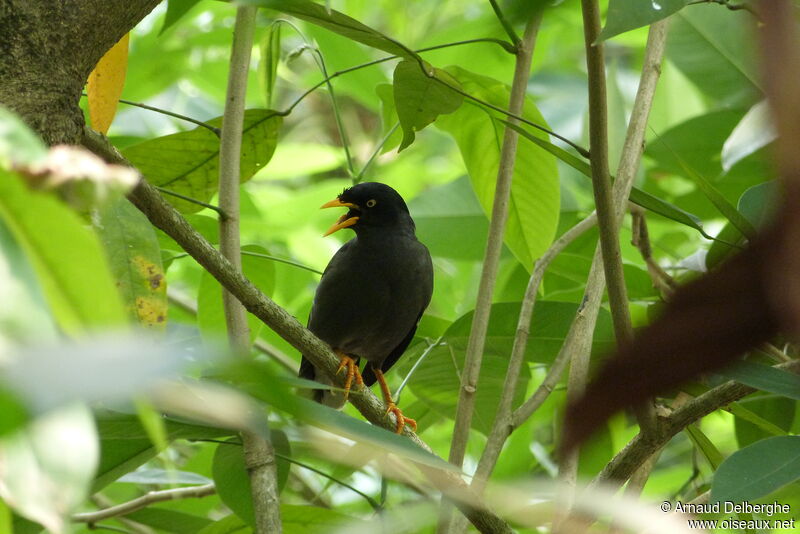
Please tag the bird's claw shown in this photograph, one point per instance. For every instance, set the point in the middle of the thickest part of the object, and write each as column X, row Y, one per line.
column 350, row 364
column 400, row 418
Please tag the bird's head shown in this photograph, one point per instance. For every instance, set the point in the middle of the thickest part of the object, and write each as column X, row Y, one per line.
column 370, row 204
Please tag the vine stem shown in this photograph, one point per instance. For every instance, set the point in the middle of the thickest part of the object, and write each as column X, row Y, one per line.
column 259, row 455
column 491, row 261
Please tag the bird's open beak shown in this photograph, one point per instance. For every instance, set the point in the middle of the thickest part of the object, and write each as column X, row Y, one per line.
column 344, row 221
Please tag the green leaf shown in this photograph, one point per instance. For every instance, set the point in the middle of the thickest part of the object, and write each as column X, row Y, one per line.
column 757, row 470
column 135, row 258
column 176, row 9
column 637, row 196
column 437, row 379
column 713, row 48
column 625, row 15
column 765, row 378
column 230, row 524
column 15, row 414
column 232, row 481
column 419, row 98
column 171, row 521
column 270, row 57
column 704, row 445
column 188, row 162
column 299, row 519
column 336, row 22
column 451, row 210
column 62, row 250
column 124, row 444
column 210, row 312
column 763, row 417
column 534, row 204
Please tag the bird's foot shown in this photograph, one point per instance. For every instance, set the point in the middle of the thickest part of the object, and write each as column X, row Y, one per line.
column 346, row 362
column 400, row 418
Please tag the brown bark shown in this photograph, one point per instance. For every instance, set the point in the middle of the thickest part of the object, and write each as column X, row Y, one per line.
column 47, row 50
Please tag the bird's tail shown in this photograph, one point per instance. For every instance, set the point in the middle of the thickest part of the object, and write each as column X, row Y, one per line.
column 334, row 399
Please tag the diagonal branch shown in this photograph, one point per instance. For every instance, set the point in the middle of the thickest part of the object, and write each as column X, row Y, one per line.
column 164, row 216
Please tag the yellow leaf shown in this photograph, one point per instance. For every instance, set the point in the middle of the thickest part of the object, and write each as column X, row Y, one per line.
column 105, row 85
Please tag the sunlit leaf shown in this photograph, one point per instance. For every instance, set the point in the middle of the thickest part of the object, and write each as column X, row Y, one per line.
column 105, row 85
column 534, row 203
column 62, row 250
column 753, row 132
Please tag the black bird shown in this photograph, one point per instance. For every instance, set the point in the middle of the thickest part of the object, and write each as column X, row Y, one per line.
column 372, row 293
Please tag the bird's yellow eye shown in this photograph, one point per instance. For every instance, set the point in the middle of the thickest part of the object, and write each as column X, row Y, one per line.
column 371, row 202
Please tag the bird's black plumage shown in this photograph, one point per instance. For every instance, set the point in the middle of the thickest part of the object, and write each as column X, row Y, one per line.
column 375, row 288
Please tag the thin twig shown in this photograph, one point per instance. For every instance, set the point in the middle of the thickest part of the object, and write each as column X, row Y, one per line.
column 212, row 207
column 491, row 260
column 732, row 7
column 375, row 152
column 504, row 22
column 212, row 129
column 641, row 447
column 151, row 497
column 504, row 423
column 414, row 367
column 282, row 260
column 259, row 456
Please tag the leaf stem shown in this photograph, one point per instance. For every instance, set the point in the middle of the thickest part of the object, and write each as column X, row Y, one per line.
column 505, row 23
column 360, row 176
column 212, row 207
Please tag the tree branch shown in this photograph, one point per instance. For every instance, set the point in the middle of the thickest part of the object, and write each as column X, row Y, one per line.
column 151, row 497
column 259, row 456
column 505, row 423
column 640, row 448
column 166, row 217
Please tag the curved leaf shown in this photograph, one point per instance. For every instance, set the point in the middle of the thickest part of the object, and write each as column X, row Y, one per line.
column 419, row 99
column 335, row 22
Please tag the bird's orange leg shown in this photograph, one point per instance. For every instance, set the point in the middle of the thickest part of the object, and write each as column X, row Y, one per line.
column 391, row 407
column 346, row 361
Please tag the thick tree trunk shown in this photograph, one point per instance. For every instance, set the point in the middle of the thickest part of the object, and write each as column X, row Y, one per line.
column 47, row 50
